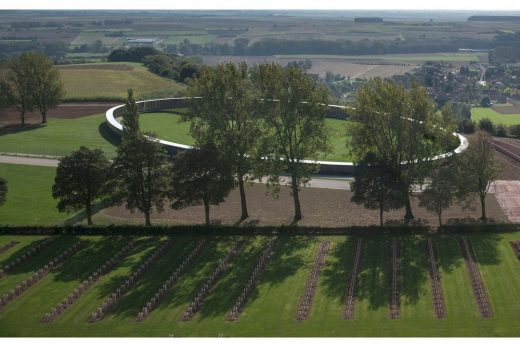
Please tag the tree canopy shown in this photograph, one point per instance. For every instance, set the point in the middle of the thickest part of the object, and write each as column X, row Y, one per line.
column 224, row 115
column 201, row 176
column 141, row 167
column 402, row 129
column 82, row 178
column 293, row 107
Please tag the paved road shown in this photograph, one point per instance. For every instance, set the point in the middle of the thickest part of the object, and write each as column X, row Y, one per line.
column 319, row 182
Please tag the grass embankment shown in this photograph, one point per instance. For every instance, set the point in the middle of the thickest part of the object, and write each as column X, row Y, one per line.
column 168, row 126
column 110, row 81
column 59, row 137
column 29, row 197
column 477, row 113
column 273, row 305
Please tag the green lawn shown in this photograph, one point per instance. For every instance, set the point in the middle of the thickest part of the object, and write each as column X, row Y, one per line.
column 167, row 126
column 61, row 136
column 29, row 199
column 478, row 113
column 271, row 311
column 112, row 80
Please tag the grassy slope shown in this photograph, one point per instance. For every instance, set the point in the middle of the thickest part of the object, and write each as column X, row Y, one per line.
column 61, row 136
column 88, row 82
column 478, row 113
column 272, row 310
column 167, row 126
column 29, row 199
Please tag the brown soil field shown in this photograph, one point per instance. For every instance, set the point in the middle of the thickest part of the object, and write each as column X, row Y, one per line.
column 320, row 207
column 65, row 111
column 514, row 109
column 321, row 66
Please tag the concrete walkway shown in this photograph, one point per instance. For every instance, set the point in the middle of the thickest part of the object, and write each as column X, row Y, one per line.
column 19, row 160
column 318, row 182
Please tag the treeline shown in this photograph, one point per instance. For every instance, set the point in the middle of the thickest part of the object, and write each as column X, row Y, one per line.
column 368, row 19
column 494, row 19
column 170, row 66
column 30, row 82
column 272, row 46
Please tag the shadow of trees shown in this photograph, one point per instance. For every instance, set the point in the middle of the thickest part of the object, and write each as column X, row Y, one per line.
column 42, row 257
column 374, row 277
column 17, row 128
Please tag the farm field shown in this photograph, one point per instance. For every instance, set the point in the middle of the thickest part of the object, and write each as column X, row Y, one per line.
column 478, row 113
column 168, row 126
column 29, row 197
column 110, row 81
column 320, row 65
column 413, row 57
column 281, row 285
column 59, row 137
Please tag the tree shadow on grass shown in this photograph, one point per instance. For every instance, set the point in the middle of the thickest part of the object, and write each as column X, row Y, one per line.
column 146, row 245
column 149, row 284
column 57, row 246
column 337, row 274
column 89, row 259
column 17, row 128
column 224, row 295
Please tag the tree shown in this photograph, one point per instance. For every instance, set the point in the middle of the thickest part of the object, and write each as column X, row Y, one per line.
column 293, row 107
column 201, row 175
column 82, row 178
column 402, row 128
column 485, row 102
column 141, row 166
column 443, row 189
column 487, row 125
column 373, row 186
column 225, row 117
column 480, row 168
column 47, row 88
column 130, row 115
column 3, row 190
column 16, row 84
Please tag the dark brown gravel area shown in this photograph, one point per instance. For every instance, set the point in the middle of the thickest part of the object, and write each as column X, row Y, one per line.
column 320, row 207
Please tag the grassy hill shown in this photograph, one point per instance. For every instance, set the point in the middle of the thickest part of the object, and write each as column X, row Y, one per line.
column 110, row 81
column 478, row 113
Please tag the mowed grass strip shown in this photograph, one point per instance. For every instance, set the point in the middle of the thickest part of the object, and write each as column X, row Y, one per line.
column 59, row 137
column 478, row 113
column 29, row 198
column 99, row 81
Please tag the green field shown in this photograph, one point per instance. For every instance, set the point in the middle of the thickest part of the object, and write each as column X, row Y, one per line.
column 478, row 113
column 61, row 136
column 167, row 126
column 29, row 197
column 112, row 80
column 272, row 308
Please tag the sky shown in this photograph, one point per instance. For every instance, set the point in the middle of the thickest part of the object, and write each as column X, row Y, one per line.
column 267, row 4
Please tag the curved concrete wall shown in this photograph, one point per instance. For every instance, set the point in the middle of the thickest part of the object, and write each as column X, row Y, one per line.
column 326, row 167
